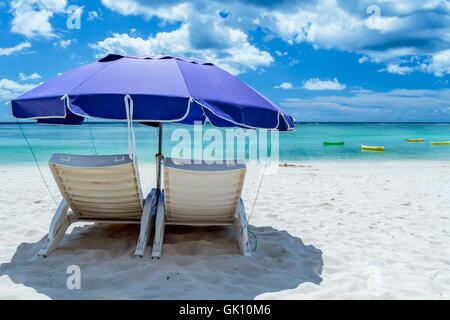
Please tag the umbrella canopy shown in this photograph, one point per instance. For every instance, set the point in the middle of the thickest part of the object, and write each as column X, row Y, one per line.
column 160, row 88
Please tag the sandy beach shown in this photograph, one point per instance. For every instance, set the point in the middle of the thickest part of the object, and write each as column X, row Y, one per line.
column 325, row 230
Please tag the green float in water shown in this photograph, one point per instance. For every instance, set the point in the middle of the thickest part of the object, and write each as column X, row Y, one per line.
column 333, row 143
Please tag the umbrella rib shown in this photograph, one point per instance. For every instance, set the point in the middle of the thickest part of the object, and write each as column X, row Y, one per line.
column 237, row 123
column 88, row 78
column 185, row 83
column 277, row 109
column 184, row 79
column 155, row 120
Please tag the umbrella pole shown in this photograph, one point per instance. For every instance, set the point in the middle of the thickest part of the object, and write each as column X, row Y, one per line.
column 159, row 159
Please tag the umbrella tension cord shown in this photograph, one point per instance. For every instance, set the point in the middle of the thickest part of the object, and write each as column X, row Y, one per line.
column 92, row 137
column 37, row 163
column 256, row 198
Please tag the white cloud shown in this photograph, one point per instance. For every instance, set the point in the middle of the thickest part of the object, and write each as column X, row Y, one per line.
column 17, row 48
column 402, row 28
column 235, row 55
column 93, row 15
column 317, row 84
column 10, row 89
column 32, row 23
column 440, row 63
column 363, row 59
column 359, row 90
column 64, row 43
column 285, row 86
column 347, row 26
column 31, row 17
column 394, row 105
column 397, row 69
column 33, row 76
column 293, row 62
column 397, row 98
column 170, row 11
column 280, row 54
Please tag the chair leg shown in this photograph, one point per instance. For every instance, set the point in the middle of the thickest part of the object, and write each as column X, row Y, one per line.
column 159, row 228
column 241, row 230
column 60, row 222
column 148, row 216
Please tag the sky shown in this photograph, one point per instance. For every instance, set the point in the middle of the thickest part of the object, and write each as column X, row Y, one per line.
column 320, row 60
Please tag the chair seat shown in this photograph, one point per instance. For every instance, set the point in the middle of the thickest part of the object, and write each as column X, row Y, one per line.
column 102, row 189
column 201, row 194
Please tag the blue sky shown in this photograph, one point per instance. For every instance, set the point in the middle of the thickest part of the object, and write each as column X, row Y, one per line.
column 321, row 60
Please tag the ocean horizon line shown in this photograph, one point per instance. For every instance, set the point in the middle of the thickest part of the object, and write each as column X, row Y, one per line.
column 296, row 122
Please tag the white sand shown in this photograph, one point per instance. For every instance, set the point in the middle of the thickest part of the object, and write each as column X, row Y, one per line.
column 325, row 231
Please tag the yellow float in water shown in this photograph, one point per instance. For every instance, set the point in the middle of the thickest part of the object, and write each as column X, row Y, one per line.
column 414, row 140
column 370, row 148
column 439, row 143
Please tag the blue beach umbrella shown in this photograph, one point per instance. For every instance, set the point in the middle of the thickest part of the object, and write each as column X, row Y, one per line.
column 151, row 89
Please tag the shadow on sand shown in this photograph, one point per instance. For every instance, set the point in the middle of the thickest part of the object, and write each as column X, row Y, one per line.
column 196, row 263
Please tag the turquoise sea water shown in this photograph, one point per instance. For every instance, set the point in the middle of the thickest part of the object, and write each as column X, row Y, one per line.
column 305, row 144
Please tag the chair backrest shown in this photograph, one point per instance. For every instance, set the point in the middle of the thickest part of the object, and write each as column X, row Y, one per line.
column 202, row 192
column 105, row 187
